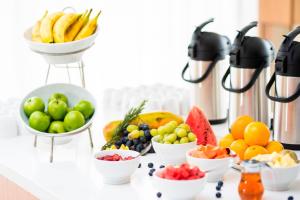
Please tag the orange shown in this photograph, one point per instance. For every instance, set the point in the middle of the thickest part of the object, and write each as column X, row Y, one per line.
column 226, row 141
column 254, row 151
column 274, row 146
column 257, row 133
column 238, row 127
column 239, row 147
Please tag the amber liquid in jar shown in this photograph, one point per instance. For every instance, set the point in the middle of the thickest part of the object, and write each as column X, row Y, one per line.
column 251, row 187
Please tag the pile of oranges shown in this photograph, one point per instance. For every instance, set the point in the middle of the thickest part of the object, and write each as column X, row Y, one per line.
column 249, row 138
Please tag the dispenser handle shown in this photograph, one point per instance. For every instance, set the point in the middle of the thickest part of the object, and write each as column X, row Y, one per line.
column 281, row 99
column 204, row 76
column 289, row 38
column 199, row 28
column 247, row 87
column 242, row 33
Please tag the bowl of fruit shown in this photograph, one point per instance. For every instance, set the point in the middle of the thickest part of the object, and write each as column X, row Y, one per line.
column 116, row 166
column 172, row 141
column 62, row 37
column 214, row 160
column 57, row 110
column 179, row 182
column 280, row 170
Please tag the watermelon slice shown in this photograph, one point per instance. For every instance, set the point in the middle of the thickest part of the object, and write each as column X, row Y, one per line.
column 201, row 127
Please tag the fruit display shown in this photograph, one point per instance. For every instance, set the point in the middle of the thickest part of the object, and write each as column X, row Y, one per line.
column 182, row 172
column 201, row 127
column 249, row 138
column 210, row 152
column 59, row 117
column 172, row 133
column 285, row 158
column 60, row 27
column 115, row 157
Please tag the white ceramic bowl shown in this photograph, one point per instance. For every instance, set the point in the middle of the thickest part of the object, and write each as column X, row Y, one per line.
column 279, row 179
column 61, row 53
column 117, row 172
column 218, row 167
column 178, row 189
column 74, row 94
column 172, row 153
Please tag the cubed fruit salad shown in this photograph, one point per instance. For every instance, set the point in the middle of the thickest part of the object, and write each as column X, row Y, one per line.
column 58, row 117
column 172, row 133
column 210, row 152
column 115, row 157
column 182, row 172
column 285, row 158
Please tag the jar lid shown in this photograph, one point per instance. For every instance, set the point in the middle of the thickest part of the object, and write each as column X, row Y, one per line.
column 287, row 62
column 207, row 45
column 251, row 52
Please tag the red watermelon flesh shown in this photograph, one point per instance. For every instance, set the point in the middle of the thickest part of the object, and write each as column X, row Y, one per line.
column 201, row 127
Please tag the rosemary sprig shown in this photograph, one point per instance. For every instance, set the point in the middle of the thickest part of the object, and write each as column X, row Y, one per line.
column 130, row 116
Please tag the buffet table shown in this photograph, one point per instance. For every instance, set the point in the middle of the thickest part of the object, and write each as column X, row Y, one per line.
column 73, row 176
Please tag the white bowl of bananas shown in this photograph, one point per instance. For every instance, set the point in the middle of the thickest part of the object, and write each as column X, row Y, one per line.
column 61, row 37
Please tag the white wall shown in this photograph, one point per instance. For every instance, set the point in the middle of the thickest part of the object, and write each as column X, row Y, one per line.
column 140, row 41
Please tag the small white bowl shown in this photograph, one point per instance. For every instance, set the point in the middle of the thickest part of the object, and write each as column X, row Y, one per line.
column 178, row 189
column 172, row 153
column 117, row 172
column 279, row 179
column 218, row 167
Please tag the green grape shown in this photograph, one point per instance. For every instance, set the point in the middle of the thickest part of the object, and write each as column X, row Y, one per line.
column 180, row 132
column 171, row 137
column 161, row 130
column 131, row 128
column 158, row 138
column 165, row 137
column 134, row 135
column 176, row 142
column 171, row 126
column 154, row 132
column 142, row 133
column 185, row 126
column 167, row 142
column 192, row 137
column 184, row 140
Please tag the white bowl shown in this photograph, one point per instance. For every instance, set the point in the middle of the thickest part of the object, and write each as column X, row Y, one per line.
column 117, row 172
column 279, row 179
column 61, row 53
column 74, row 94
column 218, row 167
column 172, row 153
column 178, row 189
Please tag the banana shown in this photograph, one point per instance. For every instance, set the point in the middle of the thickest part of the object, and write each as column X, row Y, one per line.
column 74, row 29
column 153, row 119
column 61, row 26
column 35, row 32
column 47, row 25
column 89, row 28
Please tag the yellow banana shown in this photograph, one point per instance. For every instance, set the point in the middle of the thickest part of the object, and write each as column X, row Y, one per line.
column 74, row 29
column 89, row 28
column 35, row 32
column 47, row 25
column 61, row 26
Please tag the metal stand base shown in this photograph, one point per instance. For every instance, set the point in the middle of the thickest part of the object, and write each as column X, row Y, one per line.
column 82, row 78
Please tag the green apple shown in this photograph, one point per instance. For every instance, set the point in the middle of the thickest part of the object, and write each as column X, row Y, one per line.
column 57, row 109
column 33, row 104
column 39, row 121
column 73, row 120
column 58, row 96
column 85, row 107
column 56, row 127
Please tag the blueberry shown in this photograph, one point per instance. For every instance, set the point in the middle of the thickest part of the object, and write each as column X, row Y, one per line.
column 143, row 127
column 118, row 143
column 158, row 194
column 220, row 183
column 150, row 174
column 152, row 170
column 140, row 165
column 136, row 141
column 147, row 134
column 150, row 165
column 143, row 139
column 139, row 147
column 129, row 143
column 125, row 132
column 132, row 148
column 218, row 188
column 162, row 166
column 124, row 140
column 218, row 194
column 290, row 198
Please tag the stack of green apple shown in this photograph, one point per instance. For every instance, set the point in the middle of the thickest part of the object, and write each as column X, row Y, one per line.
column 59, row 117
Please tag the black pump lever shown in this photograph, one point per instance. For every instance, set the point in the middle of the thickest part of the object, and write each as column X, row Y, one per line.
column 289, row 38
column 240, row 37
column 199, row 28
